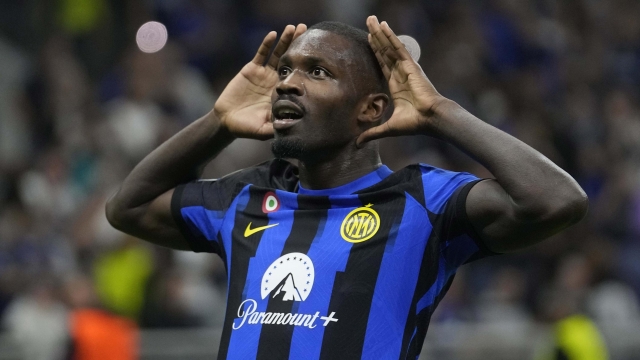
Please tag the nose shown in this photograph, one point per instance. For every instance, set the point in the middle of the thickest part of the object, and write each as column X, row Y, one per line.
column 292, row 84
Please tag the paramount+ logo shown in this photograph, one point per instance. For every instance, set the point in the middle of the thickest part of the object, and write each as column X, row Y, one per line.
column 360, row 224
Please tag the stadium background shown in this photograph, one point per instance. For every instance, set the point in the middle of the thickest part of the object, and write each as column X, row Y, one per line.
column 80, row 105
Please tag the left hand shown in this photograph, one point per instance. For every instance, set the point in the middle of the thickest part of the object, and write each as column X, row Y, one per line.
column 414, row 97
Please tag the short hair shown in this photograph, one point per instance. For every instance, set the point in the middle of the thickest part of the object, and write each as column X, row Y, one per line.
column 361, row 49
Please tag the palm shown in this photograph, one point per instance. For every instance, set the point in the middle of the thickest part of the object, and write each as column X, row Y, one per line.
column 244, row 107
column 405, row 83
column 246, row 102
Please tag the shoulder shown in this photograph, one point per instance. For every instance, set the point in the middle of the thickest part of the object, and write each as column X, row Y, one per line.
column 429, row 185
column 440, row 185
column 435, row 177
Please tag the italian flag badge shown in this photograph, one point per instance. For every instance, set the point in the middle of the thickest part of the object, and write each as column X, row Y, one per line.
column 270, row 203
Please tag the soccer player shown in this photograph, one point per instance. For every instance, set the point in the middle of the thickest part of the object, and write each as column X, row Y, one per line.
column 340, row 258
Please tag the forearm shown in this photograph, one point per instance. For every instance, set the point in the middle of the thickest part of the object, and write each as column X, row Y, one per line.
column 535, row 185
column 176, row 161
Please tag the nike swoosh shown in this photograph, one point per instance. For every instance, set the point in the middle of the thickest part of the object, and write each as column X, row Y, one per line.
column 249, row 231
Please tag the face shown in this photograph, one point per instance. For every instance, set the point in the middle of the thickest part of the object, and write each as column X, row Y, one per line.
column 317, row 100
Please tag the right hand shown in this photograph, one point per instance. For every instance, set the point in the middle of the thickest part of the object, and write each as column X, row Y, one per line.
column 244, row 107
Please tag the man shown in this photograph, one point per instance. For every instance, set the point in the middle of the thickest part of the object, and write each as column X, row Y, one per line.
column 340, row 258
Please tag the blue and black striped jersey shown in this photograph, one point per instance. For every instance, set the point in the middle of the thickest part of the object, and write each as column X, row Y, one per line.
column 345, row 273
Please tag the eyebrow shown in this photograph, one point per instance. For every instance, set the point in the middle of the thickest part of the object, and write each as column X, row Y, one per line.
column 308, row 60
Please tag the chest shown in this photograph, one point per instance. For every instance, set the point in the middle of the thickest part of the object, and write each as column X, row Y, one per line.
column 312, row 236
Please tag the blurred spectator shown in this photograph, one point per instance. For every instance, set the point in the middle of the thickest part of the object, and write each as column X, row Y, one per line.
column 167, row 307
column 204, row 281
column 38, row 323
column 15, row 135
column 501, row 305
column 575, row 335
column 614, row 303
column 121, row 277
column 95, row 333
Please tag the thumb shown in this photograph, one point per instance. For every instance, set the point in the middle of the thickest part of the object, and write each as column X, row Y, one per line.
column 376, row 132
column 266, row 132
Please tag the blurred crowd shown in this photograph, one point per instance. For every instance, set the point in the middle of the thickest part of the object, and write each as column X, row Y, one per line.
column 80, row 105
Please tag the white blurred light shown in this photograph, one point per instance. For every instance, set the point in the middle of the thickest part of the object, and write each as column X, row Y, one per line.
column 151, row 37
column 412, row 46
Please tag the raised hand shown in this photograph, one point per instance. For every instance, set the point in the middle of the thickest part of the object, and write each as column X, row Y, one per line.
column 414, row 97
column 244, row 107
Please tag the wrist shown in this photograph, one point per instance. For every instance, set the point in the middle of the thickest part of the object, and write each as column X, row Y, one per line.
column 218, row 120
column 436, row 119
column 220, row 129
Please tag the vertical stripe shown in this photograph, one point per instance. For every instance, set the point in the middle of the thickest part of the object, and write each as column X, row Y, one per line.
column 427, row 304
column 330, row 254
column 242, row 250
column 459, row 250
column 308, row 223
column 396, row 284
column 443, row 276
column 226, row 231
column 423, row 320
column 353, row 289
column 244, row 339
column 436, row 271
column 427, row 276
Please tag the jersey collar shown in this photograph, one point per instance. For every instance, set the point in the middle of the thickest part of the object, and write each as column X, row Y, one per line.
column 365, row 181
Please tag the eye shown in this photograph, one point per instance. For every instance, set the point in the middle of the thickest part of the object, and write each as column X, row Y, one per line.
column 319, row 72
column 284, row 71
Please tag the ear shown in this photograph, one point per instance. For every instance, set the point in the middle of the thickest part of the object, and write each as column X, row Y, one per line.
column 373, row 108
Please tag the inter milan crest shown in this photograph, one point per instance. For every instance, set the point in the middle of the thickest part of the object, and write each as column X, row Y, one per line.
column 270, row 203
column 360, row 224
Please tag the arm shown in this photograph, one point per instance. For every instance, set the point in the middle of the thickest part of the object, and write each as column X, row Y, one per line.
column 142, row 205
column 530, row 199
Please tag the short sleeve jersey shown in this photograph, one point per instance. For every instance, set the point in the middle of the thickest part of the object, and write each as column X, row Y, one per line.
column 352, row 272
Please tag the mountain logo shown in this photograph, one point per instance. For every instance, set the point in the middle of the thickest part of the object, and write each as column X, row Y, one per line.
column 289, row 278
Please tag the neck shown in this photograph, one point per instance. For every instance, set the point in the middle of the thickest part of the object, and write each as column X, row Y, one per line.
column 339, row 168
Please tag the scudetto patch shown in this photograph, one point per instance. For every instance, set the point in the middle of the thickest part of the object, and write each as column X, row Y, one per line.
column 270, row 203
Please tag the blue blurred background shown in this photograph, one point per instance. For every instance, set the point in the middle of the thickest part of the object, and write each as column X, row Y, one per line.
column 80, row 105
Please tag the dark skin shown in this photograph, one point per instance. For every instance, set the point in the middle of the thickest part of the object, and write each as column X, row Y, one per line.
column 530, row 199
column 307, row 76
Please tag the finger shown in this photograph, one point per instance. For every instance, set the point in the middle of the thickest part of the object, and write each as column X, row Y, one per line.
column 300, row 29
column 282, row 46
column 383, row 66
column 265, row 47
column 375, row 45
column 266, row 132
column 376, row 32
column 371, row 21
column 376, row 132
column 398, row 46
column 385, row 48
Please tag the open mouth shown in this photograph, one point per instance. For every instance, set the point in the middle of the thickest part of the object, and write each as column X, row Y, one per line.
column 286, row 114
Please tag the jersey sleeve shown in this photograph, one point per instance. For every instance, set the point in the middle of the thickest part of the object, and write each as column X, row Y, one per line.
column 199, row 208
column 445, row 198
